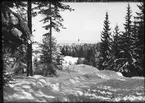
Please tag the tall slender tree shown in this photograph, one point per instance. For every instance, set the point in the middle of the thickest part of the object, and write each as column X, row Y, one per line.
column 53, row 21
column 127, row 46
column 29, row 49
column 104, row 57
column 52, row 18
column 139, row 33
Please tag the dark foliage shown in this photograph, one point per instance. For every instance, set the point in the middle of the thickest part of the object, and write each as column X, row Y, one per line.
column 15, row 33
column 45, row 57
column 139, row 44
column 125, row 51
column 78, row 50
column 105, row 50
column 91, row 60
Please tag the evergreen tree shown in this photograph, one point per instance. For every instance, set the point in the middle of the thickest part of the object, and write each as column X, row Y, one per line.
column 53, row 20
column 140, row 23
column 115, row 47
column 104, row 57
column 91, row 57
column 15, row 32
column 29, row 45
column 139, row 34
column 115, row 43
column 47, row 69
column 127, row 46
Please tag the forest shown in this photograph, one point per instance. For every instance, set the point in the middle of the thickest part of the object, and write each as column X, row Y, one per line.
column 119, row 51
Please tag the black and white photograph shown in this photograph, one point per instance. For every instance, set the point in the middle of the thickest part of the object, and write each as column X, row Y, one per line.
column 72, row 51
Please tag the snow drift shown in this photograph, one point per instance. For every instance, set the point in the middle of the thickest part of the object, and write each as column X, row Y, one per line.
column 87, row 84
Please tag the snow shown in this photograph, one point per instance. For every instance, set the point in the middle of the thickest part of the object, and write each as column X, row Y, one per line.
column 55, row 86
column 26, row 86
column 41, row 94
column 79, row 92
column 131, row 98
column 108, row 74
column 37, row 76
column 43, row 81
column 119, row 74
column 24, row 95
column 104, row 92
column 69, row 60
column 40, row 89
column 85, row 69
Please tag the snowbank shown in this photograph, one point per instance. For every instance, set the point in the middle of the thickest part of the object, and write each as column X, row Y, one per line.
column 104, row 82
column 85, row 69
column 108, row 74
column 69, row 60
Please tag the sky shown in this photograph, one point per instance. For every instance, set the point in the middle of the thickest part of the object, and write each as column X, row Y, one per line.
column 86, row 22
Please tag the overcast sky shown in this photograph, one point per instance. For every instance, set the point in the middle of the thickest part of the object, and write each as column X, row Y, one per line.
column 86, row 22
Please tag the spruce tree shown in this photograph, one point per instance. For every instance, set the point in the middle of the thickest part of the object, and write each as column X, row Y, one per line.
column 140, row 23
column 115, row 47
column 104, row 57
column 52, row 20
column 139, row 33
column 115, row 42
column 15, row 33
column 47, row 69
column 127, row 46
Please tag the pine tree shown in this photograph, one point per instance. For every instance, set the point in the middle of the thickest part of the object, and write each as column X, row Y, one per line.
column 139, row 34
column 140, row 23
column 104, row 57
column 127, row 58
column 115, row 47
column 52, row 20
column 116, row 35
column 47, row 69
column 15, row 32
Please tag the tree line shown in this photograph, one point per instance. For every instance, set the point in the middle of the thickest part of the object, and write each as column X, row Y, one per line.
column 124, row 51
column 88, row 51
column 78, row 50
column 121, row 51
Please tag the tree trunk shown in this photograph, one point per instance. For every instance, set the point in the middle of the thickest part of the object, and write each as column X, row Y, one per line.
column 50, row 37
column 29, row 49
